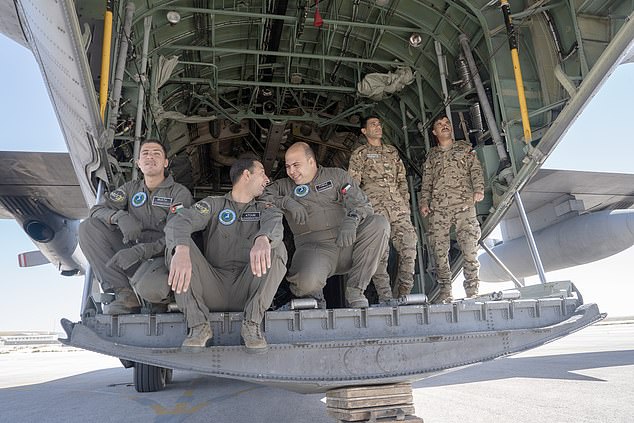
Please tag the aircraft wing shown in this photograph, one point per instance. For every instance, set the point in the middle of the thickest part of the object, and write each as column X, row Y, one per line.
column 47, row 177
column 576, row 218
column 41, row 192
column 598, row 190
column 554, row 195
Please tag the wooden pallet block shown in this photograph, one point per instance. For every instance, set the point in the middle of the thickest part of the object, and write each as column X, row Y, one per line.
column 373, row 401
column 365, row 414
column 370, row 391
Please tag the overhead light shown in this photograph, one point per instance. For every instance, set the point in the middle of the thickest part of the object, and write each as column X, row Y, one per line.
column 173, row 17
column 415, row 39
column 382, row 2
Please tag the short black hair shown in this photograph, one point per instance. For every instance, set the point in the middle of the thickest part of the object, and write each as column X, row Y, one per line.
column 364, row 121
column 239, row 167
column 439, row 117
column 153, row 141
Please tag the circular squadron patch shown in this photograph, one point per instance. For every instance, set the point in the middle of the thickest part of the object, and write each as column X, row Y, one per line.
column 202, row 207
column 227, row 216
column 117, row 196
column 301, row 190
column 139, row 199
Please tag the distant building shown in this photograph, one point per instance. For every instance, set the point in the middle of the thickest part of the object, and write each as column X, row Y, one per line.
column 28, row 338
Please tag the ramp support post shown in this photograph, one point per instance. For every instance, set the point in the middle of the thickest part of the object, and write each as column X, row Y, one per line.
column 529, row 238
column 88, row 275
column 499, row 262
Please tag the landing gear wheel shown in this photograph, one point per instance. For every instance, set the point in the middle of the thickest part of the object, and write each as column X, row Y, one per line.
column 149, row 378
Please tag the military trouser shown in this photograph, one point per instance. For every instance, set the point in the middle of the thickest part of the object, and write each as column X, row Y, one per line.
column 403, row 238
column 317, row 257
column 150, row 281
column 99, row 243
column 230, row 290
column 467, row 234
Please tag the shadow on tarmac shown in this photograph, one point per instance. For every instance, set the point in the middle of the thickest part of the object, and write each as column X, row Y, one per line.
column 562, row 367
column 108, row 395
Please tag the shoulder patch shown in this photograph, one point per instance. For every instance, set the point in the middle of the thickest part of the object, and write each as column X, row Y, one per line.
column 202, row 207
column 118, row 196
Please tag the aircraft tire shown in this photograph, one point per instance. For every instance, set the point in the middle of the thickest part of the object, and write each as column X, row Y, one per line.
column 148, row 378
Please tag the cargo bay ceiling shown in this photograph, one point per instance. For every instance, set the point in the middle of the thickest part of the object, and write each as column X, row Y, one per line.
column 225, row 78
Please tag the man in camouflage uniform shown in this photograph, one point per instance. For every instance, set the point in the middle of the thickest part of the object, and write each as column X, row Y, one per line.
column 379, row 171
column 334, row 228
column 123, row 236
column 452, row 184
column 243, row 263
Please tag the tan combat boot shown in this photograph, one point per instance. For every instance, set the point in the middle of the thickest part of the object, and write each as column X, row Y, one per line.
column 254, row 341
column 356, row 299
column 403, row 290
column 472, row 290
column 197, row 337
column 125, row 302
column 444, row 296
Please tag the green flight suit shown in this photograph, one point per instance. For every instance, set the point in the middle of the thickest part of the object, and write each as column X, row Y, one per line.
column 221, row 278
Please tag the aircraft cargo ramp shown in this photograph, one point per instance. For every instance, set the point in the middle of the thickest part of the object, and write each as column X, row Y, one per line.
column 319, row 350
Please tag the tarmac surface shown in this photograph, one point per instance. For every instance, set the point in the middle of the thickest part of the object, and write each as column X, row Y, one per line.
column 585, row 377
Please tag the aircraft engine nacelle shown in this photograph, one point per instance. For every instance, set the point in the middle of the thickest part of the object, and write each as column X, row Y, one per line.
column 56, row 236
column 578, row 240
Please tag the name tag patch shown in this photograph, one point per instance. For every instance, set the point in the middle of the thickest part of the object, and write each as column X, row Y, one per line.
column 373, row 156
column 250, row 216
column 324, row 186
column 162, row 201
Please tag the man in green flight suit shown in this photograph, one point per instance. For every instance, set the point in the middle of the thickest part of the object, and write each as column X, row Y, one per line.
column 124, row 232
column 244, row 257
column 334, row 228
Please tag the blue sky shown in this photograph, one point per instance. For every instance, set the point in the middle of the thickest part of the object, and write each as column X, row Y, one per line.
column 36, row 298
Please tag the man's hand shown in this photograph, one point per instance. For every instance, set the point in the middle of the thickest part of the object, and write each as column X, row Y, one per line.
column 128, row 257
column 424, row 209
column 478, row 196
column 129, row 226
column 347, row 231
column 180, row 270
column 261, row 256
column 297, row 211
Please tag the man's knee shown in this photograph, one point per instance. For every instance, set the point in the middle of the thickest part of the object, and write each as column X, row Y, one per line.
column 89, row 228
column 279, row 253
column 150, row 281
column 378, row 222
column 306, row 283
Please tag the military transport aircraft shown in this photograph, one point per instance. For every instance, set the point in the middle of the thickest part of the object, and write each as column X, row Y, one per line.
column 216, row 79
